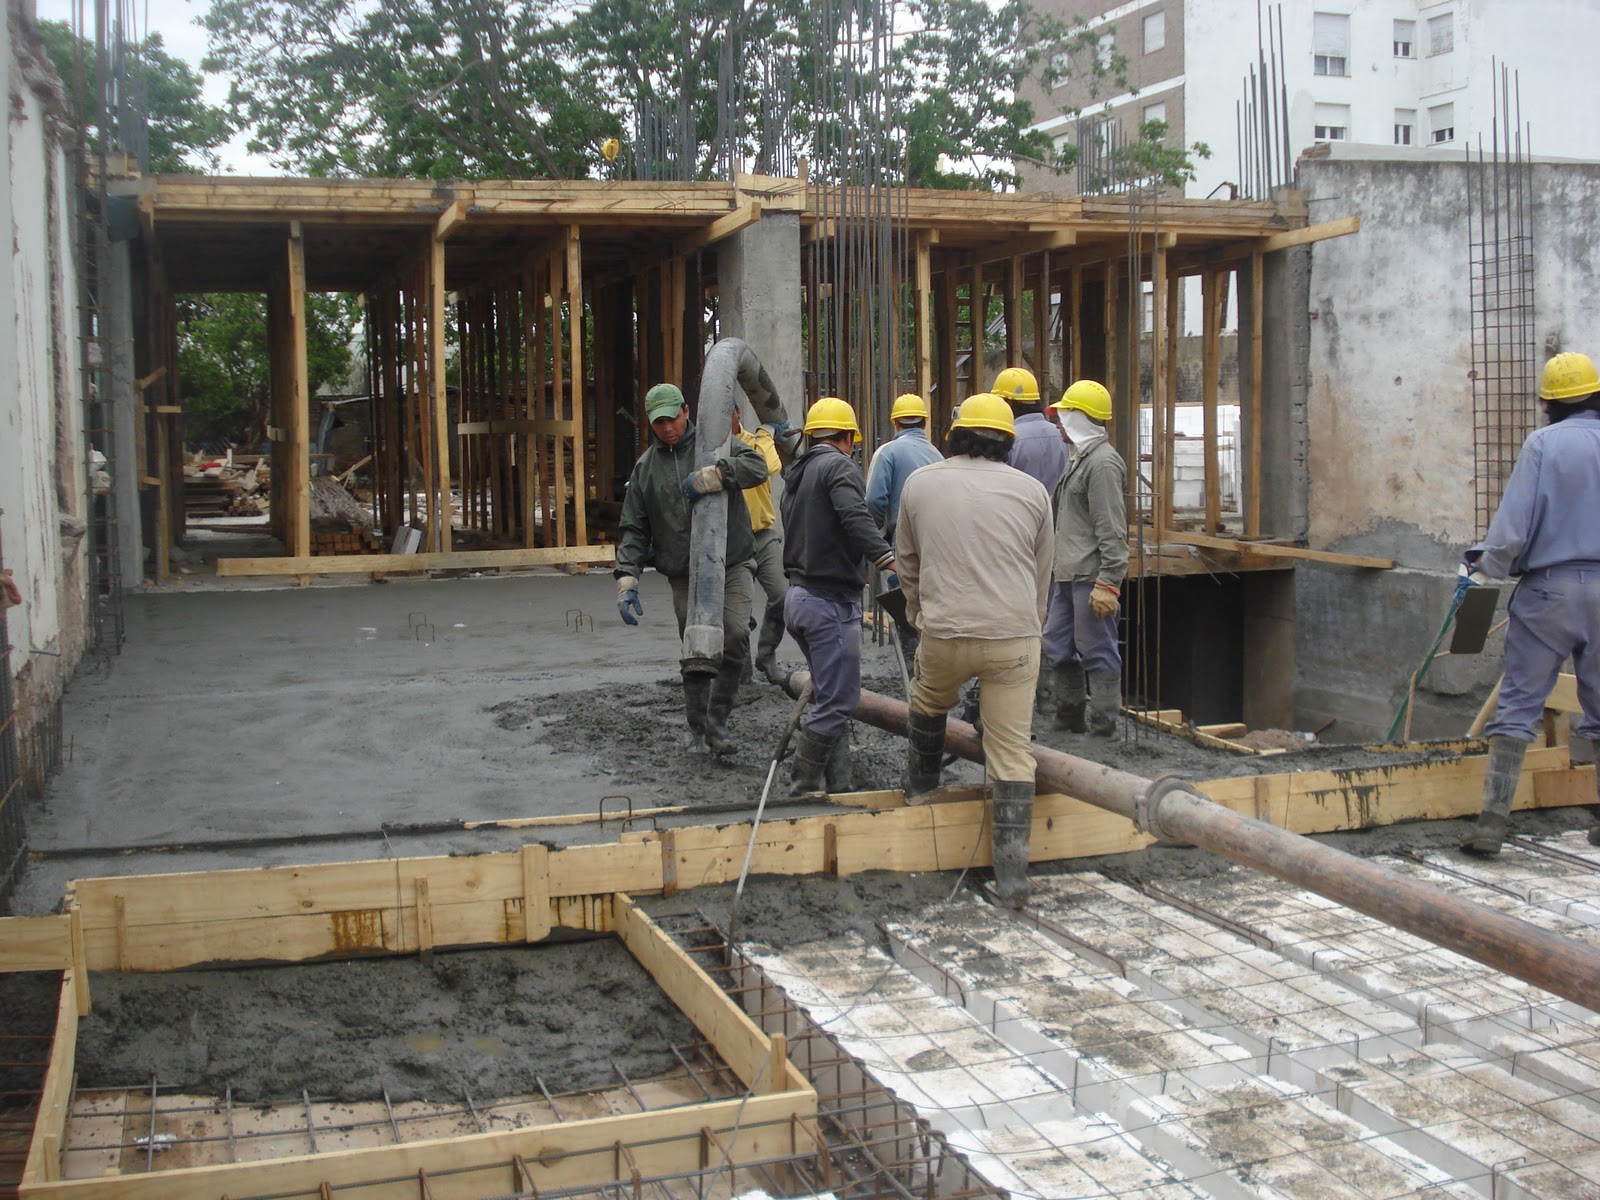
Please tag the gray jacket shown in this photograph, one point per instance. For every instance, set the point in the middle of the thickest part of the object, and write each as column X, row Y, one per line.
column 1091, row 503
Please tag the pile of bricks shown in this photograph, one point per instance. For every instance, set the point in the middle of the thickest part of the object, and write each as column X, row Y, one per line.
column 355, row 539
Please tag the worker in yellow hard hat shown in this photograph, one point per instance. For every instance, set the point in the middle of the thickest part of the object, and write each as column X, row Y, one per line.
column 974, row 547
column 891, row 466
column 1080, row 637
column 1547, row 531
column 828, row 538
column 1038, row 449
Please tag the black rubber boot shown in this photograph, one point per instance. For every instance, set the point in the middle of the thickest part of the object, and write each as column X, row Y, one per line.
column 724, row 687
column 1499, row 789
column 1071, row 697
column 1105, row 702
column 839, row 774
column 696, row 695
column 924, row 752
column 1010, row 832
column 1583, row 752
column 811, row 756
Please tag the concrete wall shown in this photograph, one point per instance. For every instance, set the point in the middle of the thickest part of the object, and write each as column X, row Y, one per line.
column 41, row 439
column 1390, row 417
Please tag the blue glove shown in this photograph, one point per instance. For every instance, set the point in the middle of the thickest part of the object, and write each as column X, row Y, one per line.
column 702, row 482
column 628, row 606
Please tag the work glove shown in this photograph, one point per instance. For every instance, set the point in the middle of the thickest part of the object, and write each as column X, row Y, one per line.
column 1468, row 576
column 628, row 605
column 702, row 482
column 1103, row 600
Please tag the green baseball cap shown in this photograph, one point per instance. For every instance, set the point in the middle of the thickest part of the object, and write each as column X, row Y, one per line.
column 663, row 400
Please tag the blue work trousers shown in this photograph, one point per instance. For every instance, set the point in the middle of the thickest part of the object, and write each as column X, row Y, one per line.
column 829, row 634
column 1554, row 614
column 1073, row 634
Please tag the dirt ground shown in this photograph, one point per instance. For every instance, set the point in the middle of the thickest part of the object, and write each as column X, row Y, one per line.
column 492, row 1022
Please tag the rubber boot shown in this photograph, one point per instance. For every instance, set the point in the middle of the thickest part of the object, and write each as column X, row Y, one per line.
column 1009, row 835
column 1582, row 752
column 696, row 695
column 1499, row 789
column 839, row 774
column 811, row 755
column 1071, row 697
column 767, row 664
column 1105, row 702
column 924, row 753
column 724, row 687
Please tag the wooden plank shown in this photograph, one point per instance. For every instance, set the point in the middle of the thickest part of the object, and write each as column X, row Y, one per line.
column 35, row 943
column 1287, row 239
column 439, row 518
column 1160, row 442
column 451, row 560
column 50, row 1125
column 737, row 1038
column 80, row 962
column 1252, row 515
column 1211, row 374
column 585, row 870
column 298, row 532
column 535, row 892
column 1564, row 696
column 575, row 372
column 924, row 315
column 424, row 917
column 575, row 1155
column 1275, row 550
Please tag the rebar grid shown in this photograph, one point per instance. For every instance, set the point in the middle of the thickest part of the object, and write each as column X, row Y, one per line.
column 1500, row 247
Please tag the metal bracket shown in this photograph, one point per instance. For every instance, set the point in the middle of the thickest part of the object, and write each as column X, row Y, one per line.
column 1147, row 807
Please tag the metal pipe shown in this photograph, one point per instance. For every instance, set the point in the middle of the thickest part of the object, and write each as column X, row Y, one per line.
column 1169, row 808
column 729, row 362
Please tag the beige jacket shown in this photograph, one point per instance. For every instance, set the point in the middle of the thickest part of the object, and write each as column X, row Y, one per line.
column 973, row 549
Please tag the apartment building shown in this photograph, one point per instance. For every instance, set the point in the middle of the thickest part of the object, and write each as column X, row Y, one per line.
column 1373, row 72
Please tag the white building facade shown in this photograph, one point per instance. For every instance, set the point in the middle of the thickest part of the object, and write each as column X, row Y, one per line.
column 1370, row 72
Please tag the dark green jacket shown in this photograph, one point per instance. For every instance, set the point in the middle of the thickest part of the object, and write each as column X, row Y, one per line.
column 654, row 529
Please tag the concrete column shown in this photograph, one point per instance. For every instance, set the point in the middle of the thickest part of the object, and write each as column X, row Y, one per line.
column 758, row 289
column 116, row 314
column 1285, row 353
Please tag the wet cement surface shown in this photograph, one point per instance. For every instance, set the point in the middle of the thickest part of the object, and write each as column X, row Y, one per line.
column 490, row 1022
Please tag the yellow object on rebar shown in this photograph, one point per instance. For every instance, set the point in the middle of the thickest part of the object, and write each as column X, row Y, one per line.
column 611, row 148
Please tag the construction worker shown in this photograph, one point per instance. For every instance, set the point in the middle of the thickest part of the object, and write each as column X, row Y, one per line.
column 655, row 527
column 766, row 565
column 897, row 458
column 1547, row 530
column 827, row 535
column 1038, row 450
column 974, row 549
column 1080, row 635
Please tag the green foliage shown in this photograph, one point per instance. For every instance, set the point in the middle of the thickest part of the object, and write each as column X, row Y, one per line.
column 224, row 366
column 1149, row 162
column 184, row 130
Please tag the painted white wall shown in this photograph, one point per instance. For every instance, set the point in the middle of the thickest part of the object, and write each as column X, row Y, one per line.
column 40, row 435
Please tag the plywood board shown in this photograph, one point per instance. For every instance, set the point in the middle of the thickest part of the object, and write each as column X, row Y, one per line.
column 35, row 943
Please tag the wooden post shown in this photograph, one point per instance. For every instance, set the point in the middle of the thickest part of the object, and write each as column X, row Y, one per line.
column 1041, row 327
column 439, row 518
column 557, row 501
column 298, row 530
column 948, row 326
column 977, row 319
column 924, row 309
column 1159, row 502
column 533, row 365
column 1171, row 422
column 1013, row 307
column 1252, row 516
column 1210, row 367
column 1131, row 407
column 1074, row 323
column 580, row 489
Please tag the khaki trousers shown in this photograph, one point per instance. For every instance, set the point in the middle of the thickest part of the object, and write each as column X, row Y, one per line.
column 1007, row 668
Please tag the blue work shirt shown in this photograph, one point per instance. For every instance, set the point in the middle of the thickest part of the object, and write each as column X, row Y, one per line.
column 1550, row 513
column 891, row 467
column 1039, row 450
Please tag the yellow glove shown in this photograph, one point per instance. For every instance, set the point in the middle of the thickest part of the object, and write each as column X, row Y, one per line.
column 1103, row 600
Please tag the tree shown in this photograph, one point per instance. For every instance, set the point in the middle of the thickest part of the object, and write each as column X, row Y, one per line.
column 224, row 364
column 531, row 88
column 184, row 131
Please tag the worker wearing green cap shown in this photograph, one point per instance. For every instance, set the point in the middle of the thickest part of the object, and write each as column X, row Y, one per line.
column 654, row 529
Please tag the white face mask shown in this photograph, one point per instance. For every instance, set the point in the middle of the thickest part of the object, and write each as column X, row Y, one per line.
column 1080, row 430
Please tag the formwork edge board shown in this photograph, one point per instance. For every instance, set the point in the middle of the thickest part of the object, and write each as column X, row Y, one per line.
column 441, row 560
column 661, row 1142
column 50, row 1125
column 35, row 943
column 737, row 1038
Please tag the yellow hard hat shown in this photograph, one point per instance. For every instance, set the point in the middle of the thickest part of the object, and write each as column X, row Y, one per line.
column 908, row 406
column 611, row 148
column 986, row 411
column 1569, row 376
column 831, row 415
column 1088, row 397
column 1017, row 383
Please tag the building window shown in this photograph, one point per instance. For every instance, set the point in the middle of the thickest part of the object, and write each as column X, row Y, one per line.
column 1156, row 112
column 1330, row 43
column 1155, row 32
column 1106, row 51
column 1332, row 123
column 1405, row 123
column 1442, row 123
column 1405, row 38
column 1441, row 34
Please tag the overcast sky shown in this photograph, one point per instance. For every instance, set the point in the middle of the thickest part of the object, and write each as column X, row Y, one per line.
column 177, row 23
